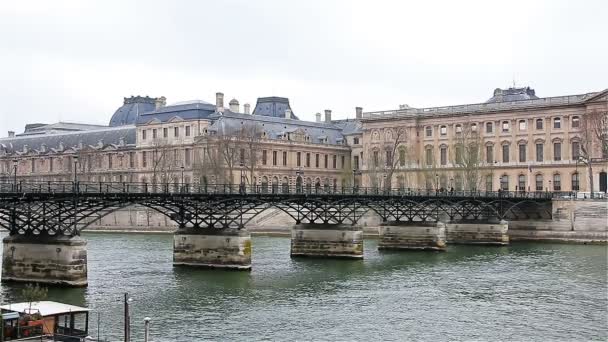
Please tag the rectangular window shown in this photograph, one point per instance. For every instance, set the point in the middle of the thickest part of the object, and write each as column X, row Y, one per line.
column 131, row 160
column 490, row 154
column 334, row 161
column 540, row 152
column 264, row 157
column 557, row 182
column 33, row 165
column 505, row 153
column 242, row 156
column 557, row 151
column 274, row 158
column 144, row 161
column 154, row 133
column 342, row 160
column 376, row 159
column 165, row 132
column 557, row 123
column 522, row 125
column 298, row 158
column 522, row 153
column 284, row 158
column 109, row 161
column 539, row 124
column 355, row 141
column 489, row 183
column 143, row 134
column 307, row 159
column 389, row 158
column 576, row 150
column 51, row 164
column 505, row 126
column 317, row 160
column 429, row 131
column 429, row 156
column 187, row 131
column 576, row 122
column 187, row 156
column 459, row 154
column 444, row 155
column 325, row 162
column 356, row 162
column 489, row 127
column 443, row 130
column 176, row 132
column 539, row 182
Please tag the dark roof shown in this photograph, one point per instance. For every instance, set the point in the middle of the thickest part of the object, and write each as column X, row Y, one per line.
column 131, row 109
column 349, row 126
column 58, row 127
column 110, row 135
column 273, row 106
column 512, row 94
column 187, row 111
column 231, row 123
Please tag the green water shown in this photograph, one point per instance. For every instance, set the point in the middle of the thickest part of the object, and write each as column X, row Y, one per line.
column 542, row 292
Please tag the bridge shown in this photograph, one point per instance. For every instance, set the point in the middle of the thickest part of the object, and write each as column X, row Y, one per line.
column 211, row 218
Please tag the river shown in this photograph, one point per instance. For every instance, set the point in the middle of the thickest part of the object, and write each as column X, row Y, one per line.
column 547, row 292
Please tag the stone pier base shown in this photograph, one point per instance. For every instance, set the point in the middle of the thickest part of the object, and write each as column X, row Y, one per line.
column 478, row 233
column 412, row 235
column 45, row 259
column 213, row 248
column 327, row 241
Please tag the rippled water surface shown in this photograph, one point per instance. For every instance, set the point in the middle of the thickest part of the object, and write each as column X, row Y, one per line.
column 542, row 292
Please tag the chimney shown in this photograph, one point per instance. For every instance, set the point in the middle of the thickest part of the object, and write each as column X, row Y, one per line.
column 358, row 113
column 327, row 116
column 246, row 108
column 219, row 102
column 160, row 102
column 234, row 105
column 318, row 117
column 11, row 134
column 287, row 113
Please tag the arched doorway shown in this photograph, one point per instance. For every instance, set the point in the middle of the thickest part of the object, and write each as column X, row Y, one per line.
column 275, row 185
column 264, row 185
column 285, row 185
column 299, row 185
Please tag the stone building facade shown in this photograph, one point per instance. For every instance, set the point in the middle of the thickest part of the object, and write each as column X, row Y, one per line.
column 515, row 141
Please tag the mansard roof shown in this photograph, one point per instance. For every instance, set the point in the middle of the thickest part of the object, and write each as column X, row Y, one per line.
column 123, row 135
column 132, row 108
column 513, row 94
column 273, row 106
column 276, row 127
column 190, row 110
column 58, row 127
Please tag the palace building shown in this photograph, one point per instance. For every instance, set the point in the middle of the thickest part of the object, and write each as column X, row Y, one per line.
column 514, row 141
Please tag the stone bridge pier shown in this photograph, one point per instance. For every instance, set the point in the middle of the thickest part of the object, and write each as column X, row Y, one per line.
column 412, row 235
column 59, row 260
column 327, row 241
column 227, row 248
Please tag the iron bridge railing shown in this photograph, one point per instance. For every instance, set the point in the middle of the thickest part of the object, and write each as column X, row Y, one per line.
column 270, row 189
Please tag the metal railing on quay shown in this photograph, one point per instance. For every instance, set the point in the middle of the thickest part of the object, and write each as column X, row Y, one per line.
column 263, row 189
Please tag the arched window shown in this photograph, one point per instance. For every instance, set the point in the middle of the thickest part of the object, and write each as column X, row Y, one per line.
column 575, row 182
column 264, row 185
column 299, row 185
column 539, row 182
column 576, row 122
column 557, row 182
column 505, row 126
column 504, row 183
column 522, row 125
column 285, row 185
column 539, row 124
column 458, row 129
column 443, row 130
column 557, row 123
column 275, row 185
column 521, row 182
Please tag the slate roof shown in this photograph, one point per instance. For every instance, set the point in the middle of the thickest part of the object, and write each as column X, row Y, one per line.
column 110, row 135
column 275, row 127
column 273, row 106
column 512, row 94
column 349, row 126
column 131, row 109
column 58, row 127
column 190, row 110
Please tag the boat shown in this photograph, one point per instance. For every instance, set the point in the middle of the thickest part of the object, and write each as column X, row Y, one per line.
column 44, row 320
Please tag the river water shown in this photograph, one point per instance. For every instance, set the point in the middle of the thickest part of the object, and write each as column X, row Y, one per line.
column 544, row 292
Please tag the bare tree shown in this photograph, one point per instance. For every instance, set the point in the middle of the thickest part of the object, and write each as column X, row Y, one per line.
column 594, row 141
column 164, row 167
column 385, row 157
column 467, row 156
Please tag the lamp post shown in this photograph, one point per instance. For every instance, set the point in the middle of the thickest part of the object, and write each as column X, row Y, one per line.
column 75, row 157
column 127, row 318
column 578, row 178
column 147, row 329
column 241, row 183
column 182, row 167
column 436, row 182
column 15, row 163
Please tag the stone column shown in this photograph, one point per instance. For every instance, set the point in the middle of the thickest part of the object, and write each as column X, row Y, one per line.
column 478, row 233
column 413, row 235
column 327, row 241
column 212, row 248
column 59, row 260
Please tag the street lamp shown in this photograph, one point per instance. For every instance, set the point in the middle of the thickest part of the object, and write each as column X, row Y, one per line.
column 75, row 169
column 437, row 182
column 15, row 163
column 182, row 167
column 127, row 318
column 147, row 329
column 241, row 183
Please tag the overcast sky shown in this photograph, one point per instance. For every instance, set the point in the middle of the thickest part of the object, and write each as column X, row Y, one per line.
column 76, row 60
